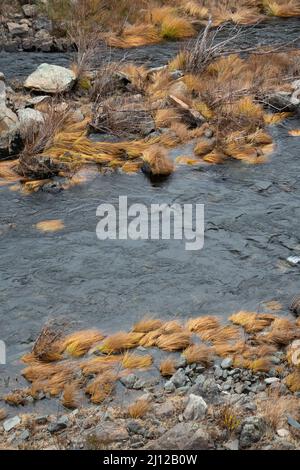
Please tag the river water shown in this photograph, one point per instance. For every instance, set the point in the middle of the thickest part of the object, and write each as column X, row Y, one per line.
column 251, row 226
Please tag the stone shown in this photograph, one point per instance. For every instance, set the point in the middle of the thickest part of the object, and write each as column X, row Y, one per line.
column 29, row 119
column 58, row 425
column 129, row 380
column 183, row 436
column 271, row 380
column 30, row 10
column 110, row 432
column 135, row 427
column 41, row 419
column 292, row 422
column 17, row 29
column 253, row 429
column 169, row 387
column 10, row 141
column 179, row 378
column 51, row 79
column 165, row 410
column 227, row 363
column 232, row 445
column 218, row 372
column 23, row 436
column 11, row 423
column 196, row 408
column 283, row 432
column 180, row 362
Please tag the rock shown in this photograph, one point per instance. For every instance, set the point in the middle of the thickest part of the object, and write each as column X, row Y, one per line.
column 165, row 410
column 139, row 384
column 135, row 427
column 30, row 10
column 169, row 387
column 183, row 436
column 180, row 362
column 253, row 429
column 51, row 79
column 292, row 422
column 110, row 432
column 227, row 363
column 11, row 423
column 10, row 141
column 232, row 445
column 129, row 380
column 2, row 77
column 41, row 419
column 263, row 185
column 293, row 260
column 271, row 380
column 23, row 436
column 218, row 372
column 281, row 101
column 58, row 425
column 17, row 29
column 179, row 378
column 195, row 409
column 283, row 432
column 30, row 119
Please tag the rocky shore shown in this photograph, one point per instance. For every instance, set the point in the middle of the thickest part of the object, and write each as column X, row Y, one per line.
column 220, row 408
column 28, row 31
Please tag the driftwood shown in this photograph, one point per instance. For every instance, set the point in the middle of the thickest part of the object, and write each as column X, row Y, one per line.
column 190, row 115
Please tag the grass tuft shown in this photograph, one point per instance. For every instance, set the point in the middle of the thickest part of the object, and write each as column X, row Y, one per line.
column 199, row 354
column 138, row 409
column 167, row 367
column 133, row 361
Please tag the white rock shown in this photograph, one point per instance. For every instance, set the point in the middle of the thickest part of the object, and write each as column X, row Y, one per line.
column 11, row 423
column 51, row 79
column 271, row 380
column 293, row 260
column 283, row 432
column 195, row 409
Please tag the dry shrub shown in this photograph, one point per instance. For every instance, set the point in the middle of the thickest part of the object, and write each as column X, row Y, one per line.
column 275, row 409
column 138, row 409
column 70, row 398
column 157, row 162
column 147, row 324
column 48, row 346
column 202, row 324
column 79, row 343
column 101, row 387
column 133, row 361
column 293, row 381
column 252, row 322
column 199, row 354
column 228, row 418
column 174, row 341
column 167, row 367
column 3, row 414
column 119, row 342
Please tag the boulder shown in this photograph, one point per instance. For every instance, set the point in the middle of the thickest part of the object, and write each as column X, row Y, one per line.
column 183, row 436
column 195, row 408
column 10, row 140
column 30, row 11
column 17, row 29
column 51, row 79
column 109, row 432
column 253, row 429
column 29, row 119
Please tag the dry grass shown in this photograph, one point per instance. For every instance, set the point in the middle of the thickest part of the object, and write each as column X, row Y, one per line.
column 50, row 225
column 252, row 322
column 119, row 342
column 203, row 147
column 17, row 397
column 174, row 28
column 101, row 387
column 79, row 343
column 167, row 367
column 275, row 409
column 172, row 326
column 293, row 381
column 295, row 132
column 174, row 341
column 133, row 361
column 3, row 414
column 229, row 349
column 221, row 335
column 157, row 161
column 98, row 365
column 138, row 409
column 48, row 345
column 199, row 354
column 282, row 8
column 282, row 332
column 147, row 324
column 150, row 339
column 203, row 324
column 263, row 364
column 71, row 397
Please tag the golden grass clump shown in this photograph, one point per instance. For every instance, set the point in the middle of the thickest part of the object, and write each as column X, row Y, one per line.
column 166, row 117
column 101, row 387
column 284, row 9
column 273, row 119
column 199, row 354
column 263, row 364
column 221, row 334
column 229, row 349
column 147, row 324
column 79, row 343
column 193, row 8
column 17, row 397
column 293, row 381
column 70, row 398
column 157, row 161
column 133, row 361
column 252, row 322
column 283, row 331
column 201, row 324
column 167, row 367
column 119, row 342
column 174, row 341
column 138, row 409
column 50, row 225
column 97, row 365
column 295, row 132
column 173, row 27
column 172, row 326
column 203, row 147
column 150, row 339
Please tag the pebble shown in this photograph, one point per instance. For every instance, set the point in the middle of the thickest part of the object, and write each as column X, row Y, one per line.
column 271, row 380
column 283, row 432
column 227, row 363
column 11, row 423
